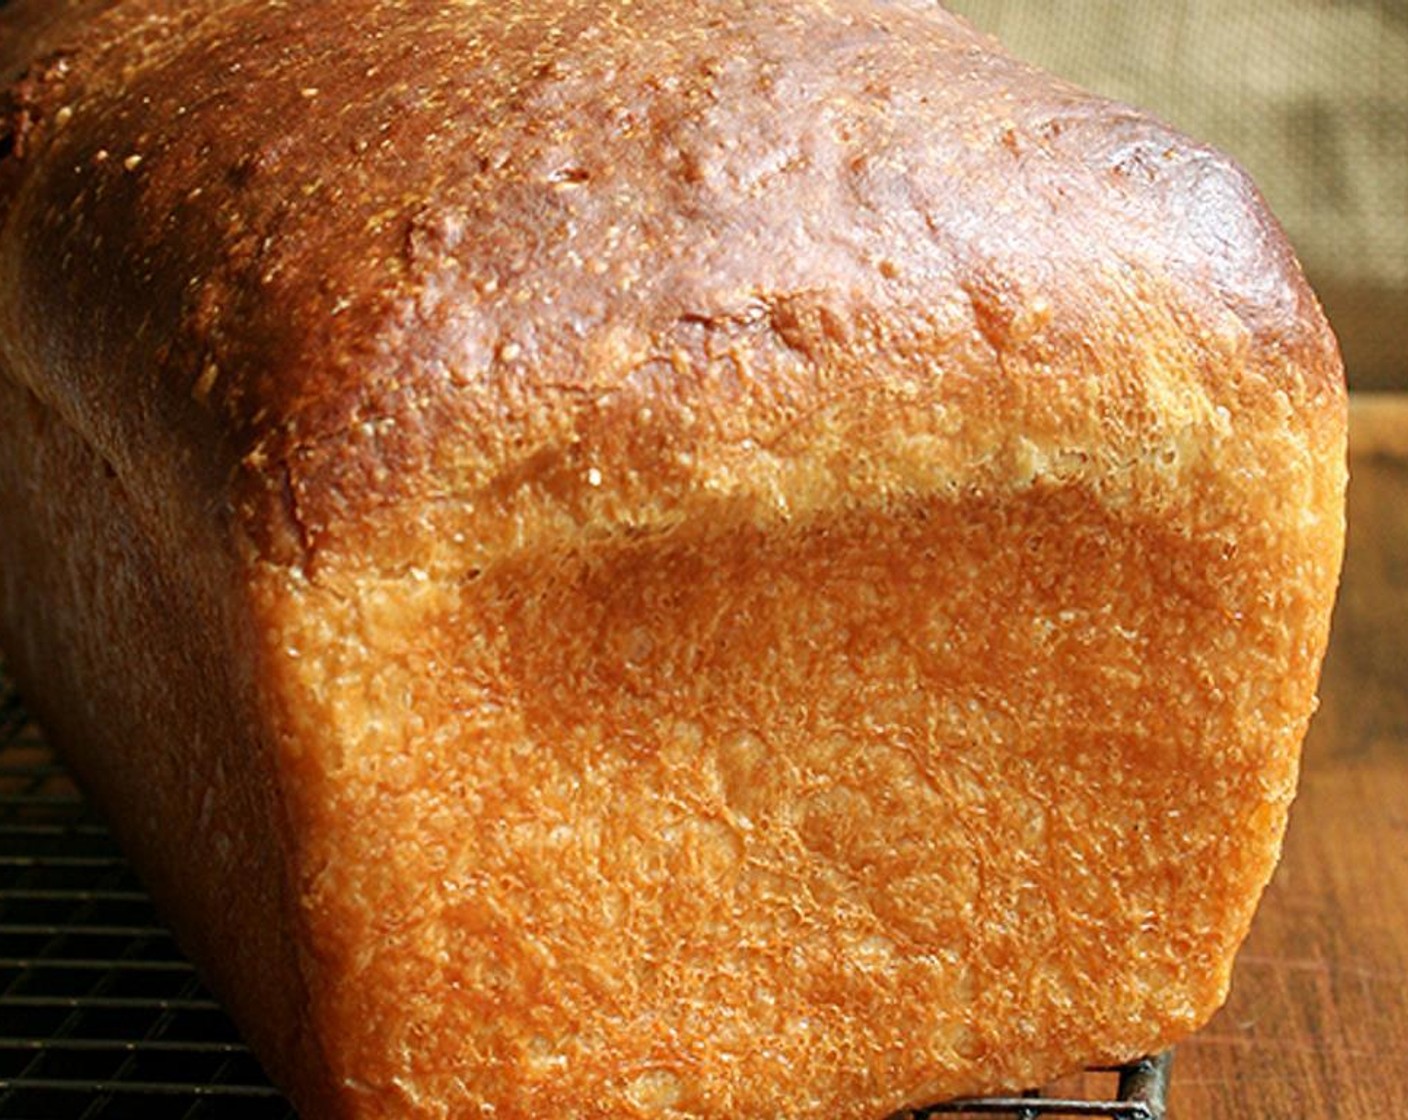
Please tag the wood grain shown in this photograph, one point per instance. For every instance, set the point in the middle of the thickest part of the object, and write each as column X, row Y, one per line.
column 1317, row 1024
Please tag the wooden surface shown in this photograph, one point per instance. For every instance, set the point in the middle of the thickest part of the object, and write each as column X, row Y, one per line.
column 1317, row 1025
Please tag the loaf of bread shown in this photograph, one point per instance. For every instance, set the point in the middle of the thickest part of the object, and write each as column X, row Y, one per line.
column 639, row 558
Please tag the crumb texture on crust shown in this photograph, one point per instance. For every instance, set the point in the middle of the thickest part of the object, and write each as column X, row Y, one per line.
column 770, row 559
column 797, row 824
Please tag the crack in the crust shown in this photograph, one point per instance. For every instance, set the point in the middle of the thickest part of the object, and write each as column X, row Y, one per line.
column 292, row 510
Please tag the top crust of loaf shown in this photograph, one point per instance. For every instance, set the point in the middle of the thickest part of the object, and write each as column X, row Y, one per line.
column 410, row 286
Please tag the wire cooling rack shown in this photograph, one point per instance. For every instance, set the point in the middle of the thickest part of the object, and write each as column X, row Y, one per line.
column 102, row 1018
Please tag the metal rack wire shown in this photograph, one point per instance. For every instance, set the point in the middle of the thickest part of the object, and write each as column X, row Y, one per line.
column 102, row 1018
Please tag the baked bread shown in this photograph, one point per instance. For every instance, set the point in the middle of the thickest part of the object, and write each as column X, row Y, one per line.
column 759, row 559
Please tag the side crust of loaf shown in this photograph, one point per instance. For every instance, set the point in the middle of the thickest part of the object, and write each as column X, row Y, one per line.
column 637, row 564
column 135, row 658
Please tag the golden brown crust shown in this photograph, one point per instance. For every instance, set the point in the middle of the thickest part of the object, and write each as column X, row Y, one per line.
column 773, row 559
column 846, row 207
